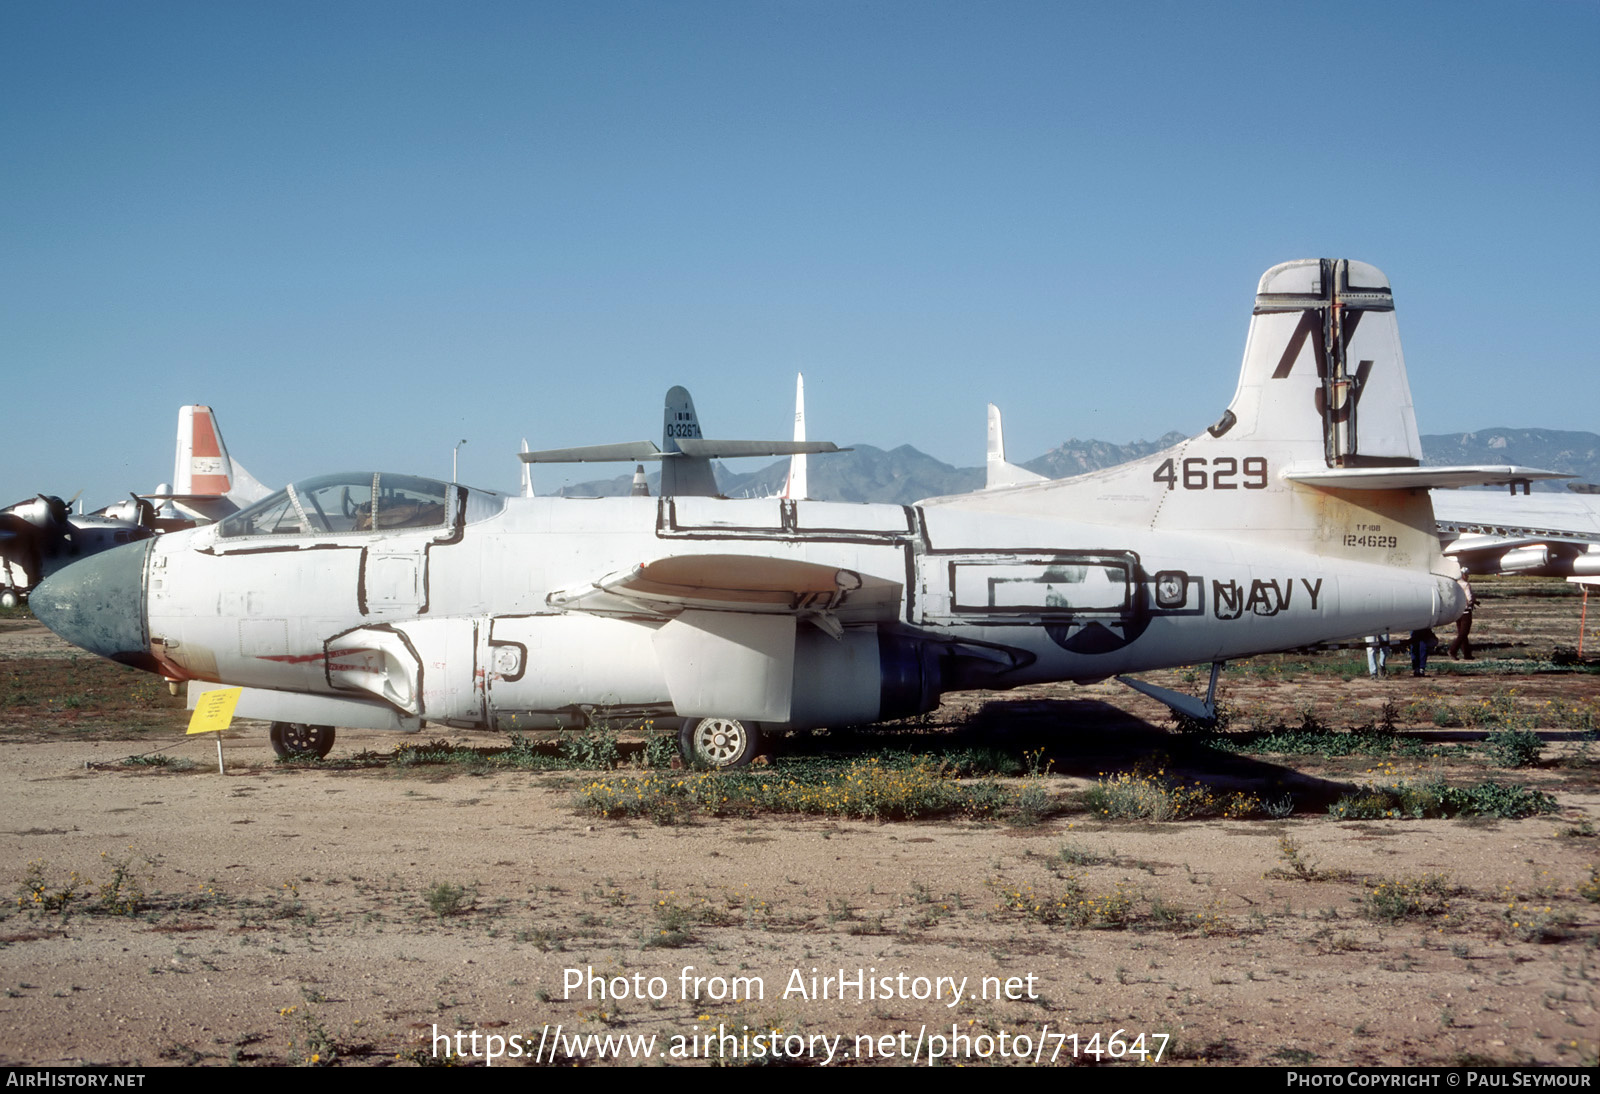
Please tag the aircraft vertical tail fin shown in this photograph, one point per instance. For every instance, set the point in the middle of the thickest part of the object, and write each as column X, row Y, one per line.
column 207, row 482
column 797, row 486
column 527, row 473
column 1323, row 368
column 997, row 471
column 201, row 467
column 1324, row 386
column 685, row 453
column 1323, row 401
column 1317, row 450
column 681, row 474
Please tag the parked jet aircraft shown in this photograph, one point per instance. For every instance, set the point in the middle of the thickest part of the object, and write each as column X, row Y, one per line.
column 42, row 534
column 379, row 600
column 685, row 454
column 1552, row 535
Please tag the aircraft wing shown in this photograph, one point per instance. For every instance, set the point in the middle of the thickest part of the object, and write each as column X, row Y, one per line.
column 1537, row 516
column 1472, row 544
column 1554, row 534
column 626, row 452
column 1419, row 478
column 739, row 583
column 207, row 508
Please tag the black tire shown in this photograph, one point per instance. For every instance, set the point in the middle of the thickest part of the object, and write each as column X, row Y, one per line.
column 291, row 739
column 719, row 742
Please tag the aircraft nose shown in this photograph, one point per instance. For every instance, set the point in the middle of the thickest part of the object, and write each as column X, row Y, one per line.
column 98, row 603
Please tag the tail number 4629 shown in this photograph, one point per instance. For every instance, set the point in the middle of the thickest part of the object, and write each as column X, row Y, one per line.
column 1222, row 473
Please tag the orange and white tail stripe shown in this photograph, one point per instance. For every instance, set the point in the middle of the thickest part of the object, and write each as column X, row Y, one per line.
column 201, row 466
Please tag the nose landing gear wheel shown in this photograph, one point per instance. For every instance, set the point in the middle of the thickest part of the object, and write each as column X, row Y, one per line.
column 719, row 742
column 290, row 739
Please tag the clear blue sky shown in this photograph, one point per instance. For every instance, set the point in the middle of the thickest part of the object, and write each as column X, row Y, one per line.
column 364, row 231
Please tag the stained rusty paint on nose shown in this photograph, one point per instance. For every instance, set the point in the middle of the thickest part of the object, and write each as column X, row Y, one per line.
column 98, row 604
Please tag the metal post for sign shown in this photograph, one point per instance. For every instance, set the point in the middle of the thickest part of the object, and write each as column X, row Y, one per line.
column 1583, row 621
column 213, row 713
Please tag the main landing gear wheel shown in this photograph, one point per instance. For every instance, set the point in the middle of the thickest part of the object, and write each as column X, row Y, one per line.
column 719, row 742
column 291, row 739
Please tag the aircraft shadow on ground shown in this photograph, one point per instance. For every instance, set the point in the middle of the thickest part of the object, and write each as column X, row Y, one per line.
column 1082, row 738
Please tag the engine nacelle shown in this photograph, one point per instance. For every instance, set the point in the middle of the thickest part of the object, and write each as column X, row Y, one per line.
column 865, row 676
column 1525, row 558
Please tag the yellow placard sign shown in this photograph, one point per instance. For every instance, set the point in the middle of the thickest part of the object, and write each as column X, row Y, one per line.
column 213, row 712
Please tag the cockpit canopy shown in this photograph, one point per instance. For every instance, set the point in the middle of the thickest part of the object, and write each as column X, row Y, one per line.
column 354, row 502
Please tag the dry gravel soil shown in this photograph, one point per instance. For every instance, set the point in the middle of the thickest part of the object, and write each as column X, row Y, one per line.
column 351, row 915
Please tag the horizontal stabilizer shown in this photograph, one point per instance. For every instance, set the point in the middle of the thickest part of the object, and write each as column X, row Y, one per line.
column 999, row 473
column 633, row 451
column 728, row 450
column 626, row 452
column 247, row 489
column 1420, row 478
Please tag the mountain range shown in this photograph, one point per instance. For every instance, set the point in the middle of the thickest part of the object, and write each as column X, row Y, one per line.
column 904, row 475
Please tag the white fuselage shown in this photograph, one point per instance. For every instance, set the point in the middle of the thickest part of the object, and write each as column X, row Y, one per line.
column 488, row 623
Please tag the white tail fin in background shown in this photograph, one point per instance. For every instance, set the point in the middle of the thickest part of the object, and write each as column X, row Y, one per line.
column 997, row 471
column 796, row 486
column 527, row 474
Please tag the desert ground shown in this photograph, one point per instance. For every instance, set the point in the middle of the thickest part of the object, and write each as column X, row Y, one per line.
column 368, row 909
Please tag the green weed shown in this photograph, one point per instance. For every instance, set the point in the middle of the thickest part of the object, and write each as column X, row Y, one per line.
column 1434, row 798
column 1151, row 795
column 875, row 789
column 311, row 1043
column 1074, row 855
column 1530, row 922
column 37, row 893
column 673, row 926
column 446, row 898
column 595, row 746
column 159, row 759
column 1030, row 805
column 1590, row 890
column 1296, row 866
column 1513, row 747
column 1390, row 900
column 123, row 894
